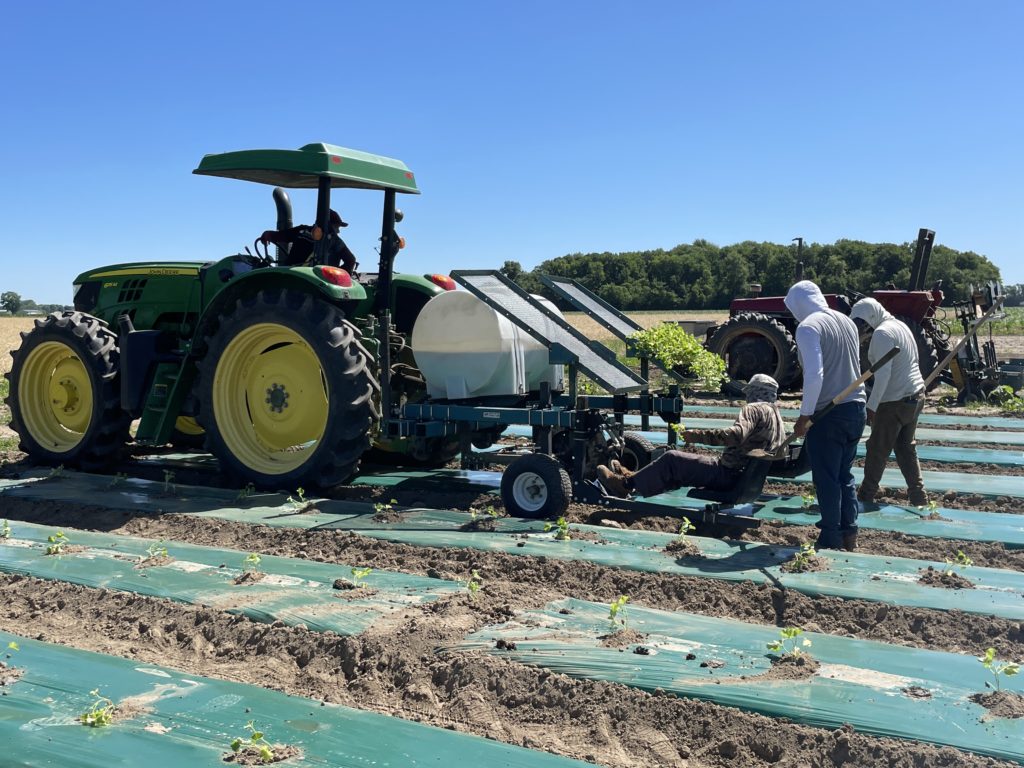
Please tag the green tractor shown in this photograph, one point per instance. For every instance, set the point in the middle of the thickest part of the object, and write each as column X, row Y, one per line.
column 274, row 365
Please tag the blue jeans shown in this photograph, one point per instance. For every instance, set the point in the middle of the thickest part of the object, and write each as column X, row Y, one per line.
column 832, row 445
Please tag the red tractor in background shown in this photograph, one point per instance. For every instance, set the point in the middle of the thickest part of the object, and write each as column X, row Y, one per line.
column 759, row 335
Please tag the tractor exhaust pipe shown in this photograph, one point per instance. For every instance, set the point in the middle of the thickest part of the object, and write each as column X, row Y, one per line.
column 284, row 216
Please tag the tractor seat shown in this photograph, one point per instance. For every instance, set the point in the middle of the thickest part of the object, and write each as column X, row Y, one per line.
column 747, row 488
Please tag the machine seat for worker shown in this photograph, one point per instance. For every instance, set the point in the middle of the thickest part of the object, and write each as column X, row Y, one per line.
column 747, row 488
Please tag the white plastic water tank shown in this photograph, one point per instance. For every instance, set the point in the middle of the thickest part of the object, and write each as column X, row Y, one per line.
column 466, row 350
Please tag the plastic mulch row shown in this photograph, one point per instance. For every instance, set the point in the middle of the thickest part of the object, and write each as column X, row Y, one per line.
column 187, row 720
column 888, row 690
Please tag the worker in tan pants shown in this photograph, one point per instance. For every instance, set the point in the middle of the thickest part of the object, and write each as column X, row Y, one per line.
column 895, row 403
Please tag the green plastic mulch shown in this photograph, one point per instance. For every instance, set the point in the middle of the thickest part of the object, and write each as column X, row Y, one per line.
column 888, row 690
column 187, row 721
column 295, row 591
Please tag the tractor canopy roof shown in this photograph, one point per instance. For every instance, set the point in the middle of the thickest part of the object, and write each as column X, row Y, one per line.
column 302, row 168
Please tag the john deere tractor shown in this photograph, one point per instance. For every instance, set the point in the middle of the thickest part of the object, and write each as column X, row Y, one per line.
column 274, row 366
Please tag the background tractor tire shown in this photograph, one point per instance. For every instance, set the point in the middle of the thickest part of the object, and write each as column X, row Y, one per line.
column 754, row 343
column 535, row 486
column 287, row 393
column 927, row 353
column 64, row 393
column 637, row 452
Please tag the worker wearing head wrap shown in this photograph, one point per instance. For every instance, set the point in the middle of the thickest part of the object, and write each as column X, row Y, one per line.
column 829, row 348
column 759, row 426
column 895, row 402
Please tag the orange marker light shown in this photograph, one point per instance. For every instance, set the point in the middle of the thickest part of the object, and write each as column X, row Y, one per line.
column 442, row 281
column 335, row 276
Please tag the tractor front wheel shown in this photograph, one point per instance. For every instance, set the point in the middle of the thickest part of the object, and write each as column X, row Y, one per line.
column 754, row 343
column 286, row 392
column 64, row 392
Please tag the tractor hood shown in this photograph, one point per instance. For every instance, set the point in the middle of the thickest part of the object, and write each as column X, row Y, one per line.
column 303, row 168
column 804, row 299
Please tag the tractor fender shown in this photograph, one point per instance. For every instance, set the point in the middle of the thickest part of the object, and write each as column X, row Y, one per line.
column 279, row 279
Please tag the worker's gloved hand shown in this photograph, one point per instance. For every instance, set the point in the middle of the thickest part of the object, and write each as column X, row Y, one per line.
column 269, row 236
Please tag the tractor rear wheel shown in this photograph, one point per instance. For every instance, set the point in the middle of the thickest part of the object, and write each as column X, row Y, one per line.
column 64, row 392
column 287, row 395
column 754, row 343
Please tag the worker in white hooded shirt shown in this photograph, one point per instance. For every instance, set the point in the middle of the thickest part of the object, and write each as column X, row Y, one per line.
column 829, row 348
column 895, row 402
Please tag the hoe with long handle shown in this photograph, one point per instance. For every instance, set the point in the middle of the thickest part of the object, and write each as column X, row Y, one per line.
column 760, row 453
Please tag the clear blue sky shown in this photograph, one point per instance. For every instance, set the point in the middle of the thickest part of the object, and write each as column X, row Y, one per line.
column 535, row 129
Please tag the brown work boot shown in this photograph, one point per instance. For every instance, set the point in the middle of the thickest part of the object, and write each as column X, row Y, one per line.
column 864, row 497
column 613, row 483
column 618, row 469
column 919, row 499
column 849, row 541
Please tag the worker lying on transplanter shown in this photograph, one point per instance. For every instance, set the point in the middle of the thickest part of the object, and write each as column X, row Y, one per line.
column 759, row 425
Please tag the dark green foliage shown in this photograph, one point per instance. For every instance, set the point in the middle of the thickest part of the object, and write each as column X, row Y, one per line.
column 705, row 276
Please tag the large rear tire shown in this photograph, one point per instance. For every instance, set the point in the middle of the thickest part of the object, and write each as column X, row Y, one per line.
column 287, row 395
column 754, row 343
column 64, row 392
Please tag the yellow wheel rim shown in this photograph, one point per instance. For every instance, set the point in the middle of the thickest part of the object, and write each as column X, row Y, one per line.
column 55, row 396
column 188, row 426
column 270, row 398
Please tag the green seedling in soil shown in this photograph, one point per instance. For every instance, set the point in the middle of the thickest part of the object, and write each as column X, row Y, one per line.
column 997, row 668
column 788, row 644
column 251, row 562
column 100, row 713
column 802, row 559
column 298, row 501
column 930, row 510
column 685, row 528
column 617, row 611
column 679, row 429
column 475, row 582
column 156, row 549
column 249, row 490
column 5, row 530
column 359, row 575
column 961, row 560
column 256, row 741
column 380, row 508
column 56, row 542
column 13, row 646
column 170, row 488
column 808, row 500
column 560, row 527
column 117, row 479
column 57, row 471
column 489, row 510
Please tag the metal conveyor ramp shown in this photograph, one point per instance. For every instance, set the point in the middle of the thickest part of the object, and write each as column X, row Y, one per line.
column 512, row 302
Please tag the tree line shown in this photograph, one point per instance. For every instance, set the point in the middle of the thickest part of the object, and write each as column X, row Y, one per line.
column 702, row 275
column 12, row 302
